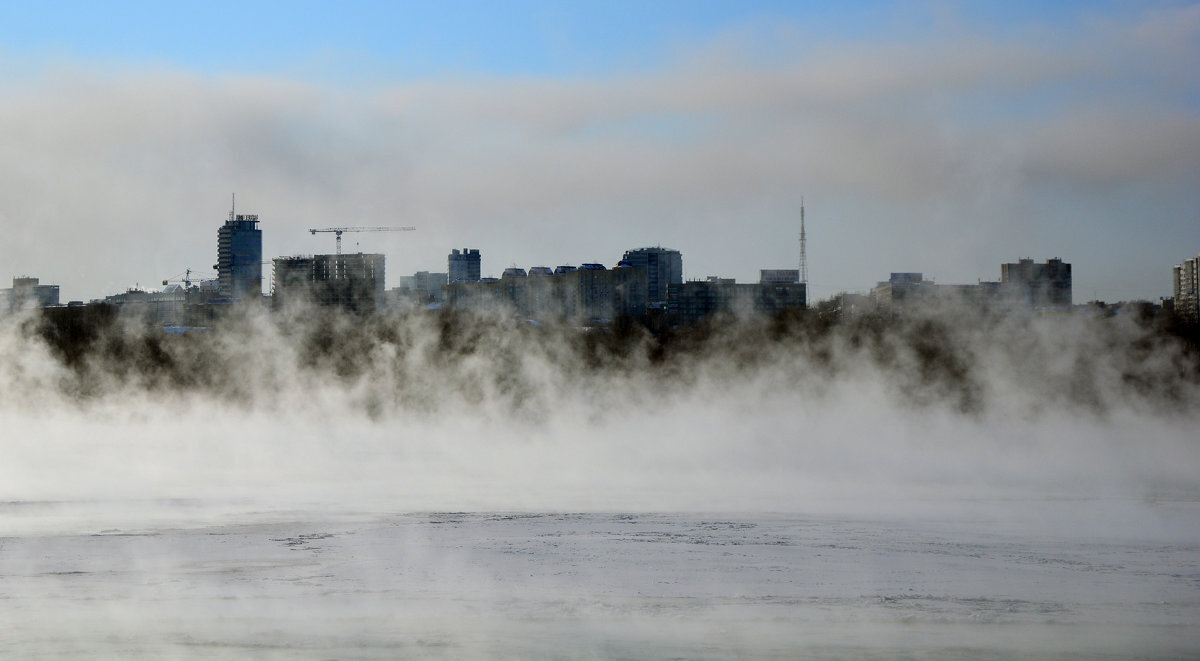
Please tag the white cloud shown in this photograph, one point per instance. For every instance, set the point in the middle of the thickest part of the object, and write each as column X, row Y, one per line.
column 110, row 178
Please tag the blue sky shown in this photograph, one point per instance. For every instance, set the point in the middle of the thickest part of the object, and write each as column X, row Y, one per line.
column 398, row 38
column 941, row 137
column 426, row 38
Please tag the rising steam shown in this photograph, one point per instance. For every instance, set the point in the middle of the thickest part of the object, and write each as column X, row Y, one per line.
column 438, row 411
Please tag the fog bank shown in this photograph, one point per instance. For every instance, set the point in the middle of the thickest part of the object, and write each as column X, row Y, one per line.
column 445, row 412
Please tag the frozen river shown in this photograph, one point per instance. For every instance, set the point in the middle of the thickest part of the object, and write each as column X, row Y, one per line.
column 1023, row 491
column 1052, row 579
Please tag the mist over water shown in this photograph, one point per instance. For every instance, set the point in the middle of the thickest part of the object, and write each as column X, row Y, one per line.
column 480, row 413
column 441, row 412
column 320, row 434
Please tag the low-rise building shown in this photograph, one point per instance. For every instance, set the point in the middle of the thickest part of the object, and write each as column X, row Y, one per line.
column 28, row 292
column 166, row 307
column 689, row 303
column 902, row 293
column 420, row 289
column 781, row 289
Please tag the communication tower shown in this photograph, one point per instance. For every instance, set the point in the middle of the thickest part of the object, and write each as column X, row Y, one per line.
column 803, row 247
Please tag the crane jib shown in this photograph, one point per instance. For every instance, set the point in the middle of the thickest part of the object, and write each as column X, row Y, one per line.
column 337, row 232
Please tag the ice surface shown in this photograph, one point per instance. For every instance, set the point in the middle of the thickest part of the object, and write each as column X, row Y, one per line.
column 541, row 585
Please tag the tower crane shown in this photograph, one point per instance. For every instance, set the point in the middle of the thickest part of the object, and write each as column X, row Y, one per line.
column 337, row 231
column 186, row 279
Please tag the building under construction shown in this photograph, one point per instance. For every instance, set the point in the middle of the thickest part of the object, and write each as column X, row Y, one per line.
column 353, row 282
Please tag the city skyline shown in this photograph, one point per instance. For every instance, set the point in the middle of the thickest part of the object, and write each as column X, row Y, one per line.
column 943, row 138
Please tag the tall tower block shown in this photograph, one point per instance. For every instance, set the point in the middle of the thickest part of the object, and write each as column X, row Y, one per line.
column 239, row 257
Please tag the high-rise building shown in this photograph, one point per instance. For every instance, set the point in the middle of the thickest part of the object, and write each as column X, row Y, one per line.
column 901, row 291
column 1185, row 285
column 778, row 290
column 464, row 266
column 663, row 267
column 239, row 257
column 1040, row 285
column 690, row 302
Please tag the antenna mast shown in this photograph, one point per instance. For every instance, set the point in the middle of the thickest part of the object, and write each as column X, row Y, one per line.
column 803, row 247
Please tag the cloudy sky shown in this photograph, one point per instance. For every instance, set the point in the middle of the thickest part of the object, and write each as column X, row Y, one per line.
column 940, row 137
